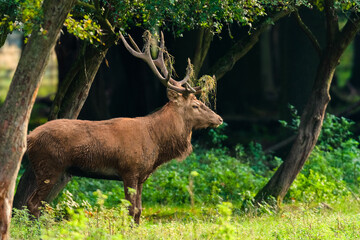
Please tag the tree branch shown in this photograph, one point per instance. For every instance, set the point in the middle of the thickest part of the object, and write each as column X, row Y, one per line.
column 308, row 33
column 331, row 21
column 86, row 5
column 348, row 32
column 243, row 46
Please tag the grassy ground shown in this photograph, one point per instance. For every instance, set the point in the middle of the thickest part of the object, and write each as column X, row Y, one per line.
column 296, row 221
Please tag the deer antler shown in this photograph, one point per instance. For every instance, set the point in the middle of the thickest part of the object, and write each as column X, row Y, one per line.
column 181, row 86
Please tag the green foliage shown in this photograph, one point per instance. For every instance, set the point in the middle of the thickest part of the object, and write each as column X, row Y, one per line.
column 218, row 136
column 24, row 227
column 24, row 15
column 178, row 17
column 9, row 9
column 295, row 119
column 344, row 5
column 226, row 229
column 80, row 222
column 90, row 19
column 335, row 132
column 84, row 28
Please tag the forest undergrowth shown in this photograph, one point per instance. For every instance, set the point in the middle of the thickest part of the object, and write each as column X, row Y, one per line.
column 210, row 196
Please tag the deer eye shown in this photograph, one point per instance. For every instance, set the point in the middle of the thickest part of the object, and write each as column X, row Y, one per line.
column 195, row 106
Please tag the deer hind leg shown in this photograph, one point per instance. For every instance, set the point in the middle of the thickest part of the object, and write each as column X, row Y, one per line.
column 129, row 195
column 138, row 203
column 45, row 185
column 25, row 188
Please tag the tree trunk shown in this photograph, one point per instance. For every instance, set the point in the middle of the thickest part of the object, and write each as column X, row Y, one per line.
column 309, row 130
column 77, row 83
column 313, row 114
column 15, row 113
column 203, row 42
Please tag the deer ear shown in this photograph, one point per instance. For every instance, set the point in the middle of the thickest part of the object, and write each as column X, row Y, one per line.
column 173, row 96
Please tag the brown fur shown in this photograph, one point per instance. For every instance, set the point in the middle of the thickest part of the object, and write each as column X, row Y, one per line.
column 127, row 149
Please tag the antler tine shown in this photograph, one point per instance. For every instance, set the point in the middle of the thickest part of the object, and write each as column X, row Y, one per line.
column 134, row 44
column 186, row 79
column 137, row 54
column 145, row 56
column 159, row 62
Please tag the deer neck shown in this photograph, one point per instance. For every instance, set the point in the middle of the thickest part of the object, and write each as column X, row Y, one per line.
column 171, row 133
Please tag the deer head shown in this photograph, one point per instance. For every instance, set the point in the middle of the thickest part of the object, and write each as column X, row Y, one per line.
column 180, row 93
column 194, row 112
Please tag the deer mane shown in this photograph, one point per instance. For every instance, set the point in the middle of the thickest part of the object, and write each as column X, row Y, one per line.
column 172, row 134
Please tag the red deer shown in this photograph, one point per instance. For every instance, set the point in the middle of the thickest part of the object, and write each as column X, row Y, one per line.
column 125, row 149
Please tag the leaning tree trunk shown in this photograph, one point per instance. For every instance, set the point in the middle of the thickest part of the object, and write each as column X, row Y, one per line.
column 15, row 113
column 313, row 114
column 74, row 90
column 309, row 130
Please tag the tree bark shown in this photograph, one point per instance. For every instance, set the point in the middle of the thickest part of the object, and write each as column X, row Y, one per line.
column 313, row 114
column 15, row 113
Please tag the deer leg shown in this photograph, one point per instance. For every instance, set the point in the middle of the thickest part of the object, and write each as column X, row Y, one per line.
column 44, row 186
column 138, row 203
column 129, row 195
column 61, row 183
column 25, row 188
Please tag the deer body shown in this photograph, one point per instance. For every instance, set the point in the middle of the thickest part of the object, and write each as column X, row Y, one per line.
column 127, row 149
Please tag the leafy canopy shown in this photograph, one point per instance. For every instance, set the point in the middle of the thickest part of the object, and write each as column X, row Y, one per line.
column 90, row 19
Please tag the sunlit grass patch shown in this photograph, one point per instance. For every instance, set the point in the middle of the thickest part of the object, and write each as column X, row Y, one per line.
column 295, row 221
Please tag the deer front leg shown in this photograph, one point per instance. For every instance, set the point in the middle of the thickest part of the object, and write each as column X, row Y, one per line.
column 130, row 195
column 45, row 184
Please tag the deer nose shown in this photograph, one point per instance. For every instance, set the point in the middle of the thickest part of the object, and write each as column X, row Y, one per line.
column 220, row 121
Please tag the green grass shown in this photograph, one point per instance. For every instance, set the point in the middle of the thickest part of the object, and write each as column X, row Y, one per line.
column 295, row 221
